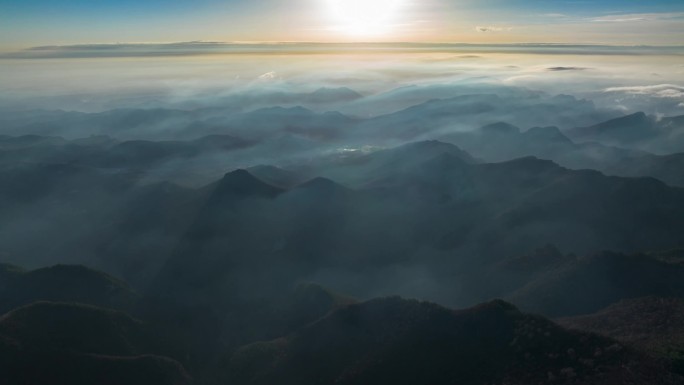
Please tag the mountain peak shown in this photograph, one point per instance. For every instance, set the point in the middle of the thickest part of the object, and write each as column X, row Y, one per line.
column 339, row 93
column 241, row 183
column 625, row 129
column 496, row 306
column 322, row 184
column 637, row 115
column 276, row 176
column 635, row 118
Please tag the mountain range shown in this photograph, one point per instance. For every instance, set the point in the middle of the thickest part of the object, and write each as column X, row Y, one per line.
column 403, row 240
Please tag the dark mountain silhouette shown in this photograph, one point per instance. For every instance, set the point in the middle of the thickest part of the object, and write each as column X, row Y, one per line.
column 668, row 168
column 546, row 134
column 251, row 99
column 421, row 119
column 638, row 130
column 407, row 342
column 626, row 130
column 63, row 283
column 105, row 152
column 323, row 336
column 435, row 195
column 221, row 266
column 450, row 219
column 420, row 151
column 453, row 192
column 501, row 142
column 428, row 116
column 652, row 324
column 359, row 169
column 241, row 184
column 578, row 286
column 224, row 224
column 161, row 124
column 277, row 176
column 332, row 95
column 534, row 195
column 75, row 344
column 320, row 188
column 206, row 336
column 189, row 158
column 105, row 219
column 82, row 328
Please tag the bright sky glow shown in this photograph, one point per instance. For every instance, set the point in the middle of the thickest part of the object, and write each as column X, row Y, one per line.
column 364, row 18
column 27, row 23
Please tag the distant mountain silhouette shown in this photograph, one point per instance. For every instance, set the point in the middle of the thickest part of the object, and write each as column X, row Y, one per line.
column 242, row 184
column 8, row 143
column 625, row 130
column 440, row 214
column 638, row 130
column 141, row 154
column 495, row 142
column 254, row 98
column 320, row 187
column 164, row 124
column 546, row 134
column 502, row 141
column 668, row 168
column 359, row 169
column 432, row 112
column 276, row 176
column 330, row 95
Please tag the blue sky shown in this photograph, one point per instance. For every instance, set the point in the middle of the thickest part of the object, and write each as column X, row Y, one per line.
column 25, row 23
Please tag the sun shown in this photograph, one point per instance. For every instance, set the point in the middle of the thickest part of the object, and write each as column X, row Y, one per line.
column 364, row 17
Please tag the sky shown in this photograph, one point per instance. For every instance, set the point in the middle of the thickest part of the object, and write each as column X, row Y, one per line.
column 29, row 23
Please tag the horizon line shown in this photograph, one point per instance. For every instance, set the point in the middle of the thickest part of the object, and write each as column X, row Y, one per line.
column 295, row 42
column 200, row 47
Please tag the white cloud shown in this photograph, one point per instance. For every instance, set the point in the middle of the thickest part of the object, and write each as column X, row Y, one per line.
column 268, row 76
column 658, row 90
column 638, row 17
column 613, row 19
column 517, row 78
column 491, row 28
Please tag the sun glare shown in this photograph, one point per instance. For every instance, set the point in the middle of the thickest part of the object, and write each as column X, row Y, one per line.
column 364, row 18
